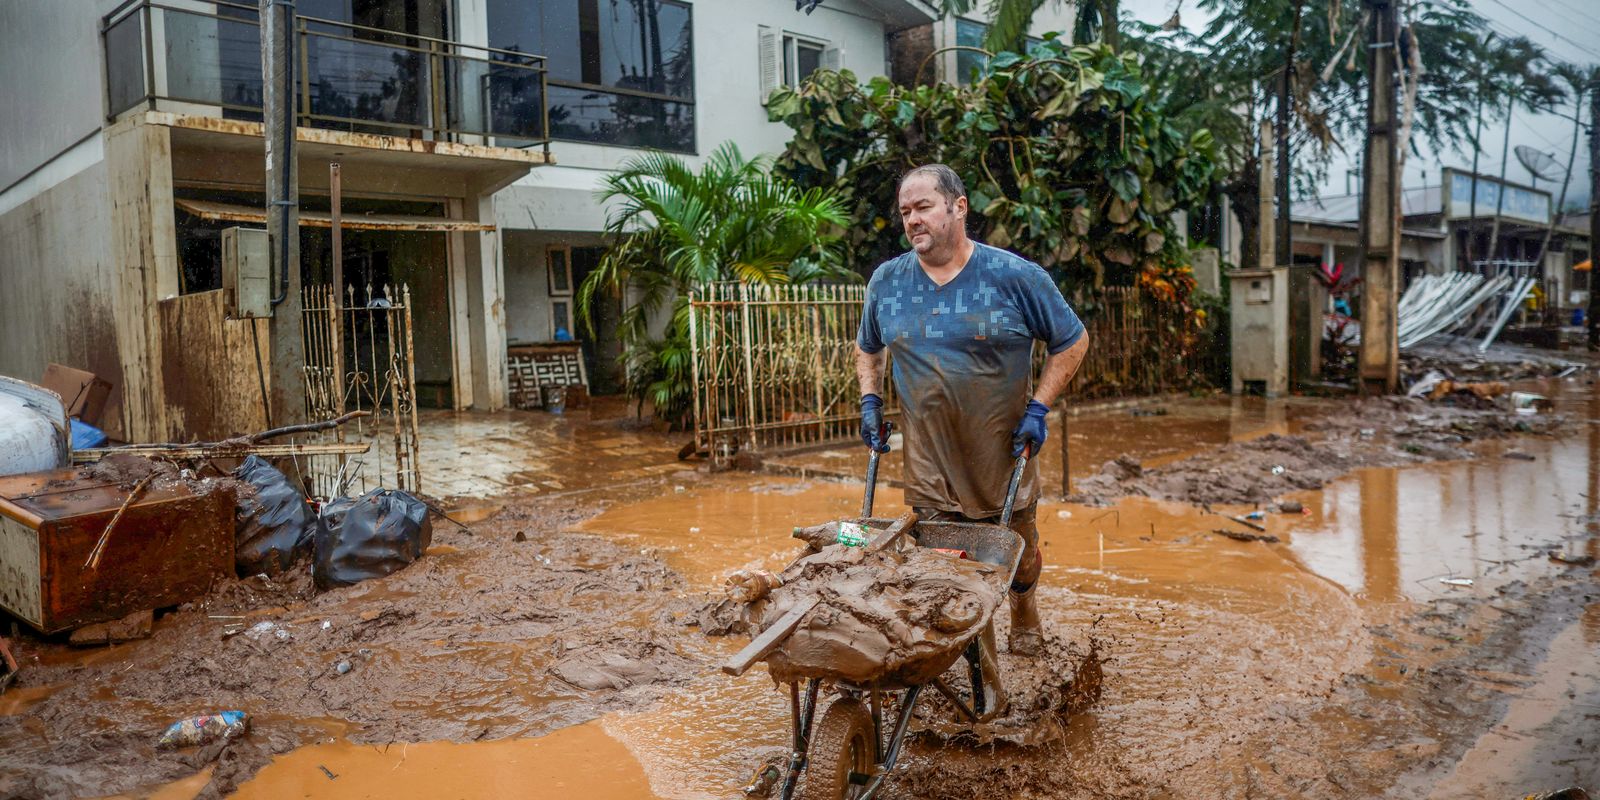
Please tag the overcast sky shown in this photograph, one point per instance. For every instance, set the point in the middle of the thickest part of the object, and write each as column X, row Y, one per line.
column 1555, row 25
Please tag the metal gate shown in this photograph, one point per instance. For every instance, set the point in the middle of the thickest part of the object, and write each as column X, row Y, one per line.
column 774, row 366
column 359, row 357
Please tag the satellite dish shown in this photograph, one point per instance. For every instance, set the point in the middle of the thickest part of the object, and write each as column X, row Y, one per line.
column 1542, row 165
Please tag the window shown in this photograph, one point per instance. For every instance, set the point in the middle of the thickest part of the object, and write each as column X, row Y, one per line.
column 787, row 59
column 801, row 57
column 558, row 264
column 620, row 71
column 971, row 34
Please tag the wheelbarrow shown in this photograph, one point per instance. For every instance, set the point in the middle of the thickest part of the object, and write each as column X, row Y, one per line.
column 849, row 753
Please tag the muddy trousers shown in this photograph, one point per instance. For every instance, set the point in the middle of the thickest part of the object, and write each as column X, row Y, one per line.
column 1022, row 523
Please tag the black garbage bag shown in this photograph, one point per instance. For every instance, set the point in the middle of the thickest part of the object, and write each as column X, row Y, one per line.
column 369, row 536
column 273, row 525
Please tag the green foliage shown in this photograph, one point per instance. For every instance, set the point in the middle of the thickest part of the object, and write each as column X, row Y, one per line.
column 1067, row 157
column 671, row 228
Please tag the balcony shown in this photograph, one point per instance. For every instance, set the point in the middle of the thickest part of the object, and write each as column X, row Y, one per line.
column 203, row 57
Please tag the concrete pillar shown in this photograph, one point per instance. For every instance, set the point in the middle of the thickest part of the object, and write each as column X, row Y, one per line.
column 144, row 249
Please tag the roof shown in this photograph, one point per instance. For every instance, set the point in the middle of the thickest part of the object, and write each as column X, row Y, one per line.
column 1347, row 207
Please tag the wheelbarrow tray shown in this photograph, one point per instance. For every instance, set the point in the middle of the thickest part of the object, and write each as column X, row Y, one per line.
column 984, row 543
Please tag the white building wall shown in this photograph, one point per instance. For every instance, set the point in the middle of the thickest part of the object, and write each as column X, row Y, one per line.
column 727, row 104
column 47, row 104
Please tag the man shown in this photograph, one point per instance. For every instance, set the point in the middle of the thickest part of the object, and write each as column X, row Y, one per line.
column 961, row 318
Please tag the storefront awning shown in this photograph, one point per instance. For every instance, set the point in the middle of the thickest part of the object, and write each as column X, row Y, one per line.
column 230, row 212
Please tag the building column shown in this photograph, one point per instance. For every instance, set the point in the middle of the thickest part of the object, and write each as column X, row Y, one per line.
column 144, row 250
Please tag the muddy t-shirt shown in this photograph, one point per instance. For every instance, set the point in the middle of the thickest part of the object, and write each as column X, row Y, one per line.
column 962, row 369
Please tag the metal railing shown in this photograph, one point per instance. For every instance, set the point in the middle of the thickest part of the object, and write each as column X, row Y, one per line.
column 185, row 54
column 773, row 367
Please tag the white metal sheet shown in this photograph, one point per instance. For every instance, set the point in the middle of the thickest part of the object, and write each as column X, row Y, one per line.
column 20, row 592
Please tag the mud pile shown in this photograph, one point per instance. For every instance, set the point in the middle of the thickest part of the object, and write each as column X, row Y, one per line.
column 897, row 616
column 1375, row 432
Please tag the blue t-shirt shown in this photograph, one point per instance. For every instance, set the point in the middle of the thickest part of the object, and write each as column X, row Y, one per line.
column 962, row 367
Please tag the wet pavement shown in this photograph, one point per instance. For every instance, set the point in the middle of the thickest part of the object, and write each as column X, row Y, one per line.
column 526, row 453
column 1231, row 667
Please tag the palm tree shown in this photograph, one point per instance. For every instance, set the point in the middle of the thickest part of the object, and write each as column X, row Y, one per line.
column 673, row 228
column 1578, row 80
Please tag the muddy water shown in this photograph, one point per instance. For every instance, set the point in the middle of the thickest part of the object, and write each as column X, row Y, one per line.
column 1154, row 433
column 1207, row 638
column 580, row 761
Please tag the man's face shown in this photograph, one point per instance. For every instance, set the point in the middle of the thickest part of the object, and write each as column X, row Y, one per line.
column 929, row 219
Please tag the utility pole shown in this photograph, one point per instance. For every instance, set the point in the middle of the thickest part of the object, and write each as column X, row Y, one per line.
column 283, row 208
column 1379, row 356
column 1593, row 315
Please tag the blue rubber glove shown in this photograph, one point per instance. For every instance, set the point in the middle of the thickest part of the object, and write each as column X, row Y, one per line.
column 1031, row 431
column 872, row 431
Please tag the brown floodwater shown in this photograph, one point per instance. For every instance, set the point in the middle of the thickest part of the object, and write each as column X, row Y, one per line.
column 1155, row 433
column 1204, row 636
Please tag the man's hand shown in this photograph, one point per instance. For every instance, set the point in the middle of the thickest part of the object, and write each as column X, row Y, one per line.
column 1031, row 431
column 872, row 429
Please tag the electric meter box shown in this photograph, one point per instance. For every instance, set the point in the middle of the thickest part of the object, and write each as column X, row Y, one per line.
column 1259, row 313
column 247, row 273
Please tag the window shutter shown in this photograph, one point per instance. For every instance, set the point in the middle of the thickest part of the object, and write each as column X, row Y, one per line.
column 767, row 52
column 833, row 58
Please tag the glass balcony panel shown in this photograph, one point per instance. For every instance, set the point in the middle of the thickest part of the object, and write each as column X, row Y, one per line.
column 212, row 60
column 125, row 84
column 627, row 120
column 498, row 98
column 367, row 81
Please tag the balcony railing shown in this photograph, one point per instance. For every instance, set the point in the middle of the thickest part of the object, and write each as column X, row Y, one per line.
column 204, row 56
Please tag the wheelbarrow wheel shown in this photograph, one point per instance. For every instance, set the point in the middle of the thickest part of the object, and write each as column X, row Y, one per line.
column 841, row 748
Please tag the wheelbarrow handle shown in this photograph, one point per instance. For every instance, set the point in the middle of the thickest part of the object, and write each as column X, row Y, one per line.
column 872, row 473
column 1011, row 488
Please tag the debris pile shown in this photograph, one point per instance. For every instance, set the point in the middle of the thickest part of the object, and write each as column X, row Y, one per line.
column 878, row 614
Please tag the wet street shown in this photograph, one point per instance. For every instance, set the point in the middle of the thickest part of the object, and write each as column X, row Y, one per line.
column 1407, row 635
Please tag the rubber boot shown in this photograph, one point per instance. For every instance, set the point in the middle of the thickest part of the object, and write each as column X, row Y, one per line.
column 1027, row 635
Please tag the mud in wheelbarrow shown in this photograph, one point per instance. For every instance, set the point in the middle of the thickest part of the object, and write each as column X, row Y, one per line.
column 849, row 753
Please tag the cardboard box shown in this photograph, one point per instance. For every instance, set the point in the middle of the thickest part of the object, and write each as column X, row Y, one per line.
column 84, row 392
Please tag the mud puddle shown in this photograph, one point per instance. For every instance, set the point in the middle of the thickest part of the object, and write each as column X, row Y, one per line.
column 1154, row 433
column 578, row 761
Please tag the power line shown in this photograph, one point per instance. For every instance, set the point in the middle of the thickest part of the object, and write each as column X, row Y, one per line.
column 1566, row 20
column 1530, row 21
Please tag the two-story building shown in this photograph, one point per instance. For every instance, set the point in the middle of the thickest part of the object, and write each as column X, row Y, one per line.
column 471, row 136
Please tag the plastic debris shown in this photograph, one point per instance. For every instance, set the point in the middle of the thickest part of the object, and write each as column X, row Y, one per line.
column 343, row 667
column 1456, row 581
column 1529, row 403
column 852, row 534
column 1278, row 469
column 1256, row 515
column 763, row 782
column 273, row 524
column 205, row 728
column 369, row 536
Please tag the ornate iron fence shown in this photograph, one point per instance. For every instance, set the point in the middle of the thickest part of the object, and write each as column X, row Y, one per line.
column 359, row 357
column 774, row 367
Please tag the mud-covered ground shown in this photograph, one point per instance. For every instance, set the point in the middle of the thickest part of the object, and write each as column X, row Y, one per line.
column 514, row 629
column 1230, row 668
column 1368, row 432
